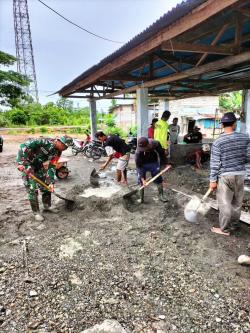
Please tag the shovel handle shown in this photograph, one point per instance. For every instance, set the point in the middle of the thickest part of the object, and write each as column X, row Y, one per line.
column 155, row 177
column 207, row 194
column 38, row 181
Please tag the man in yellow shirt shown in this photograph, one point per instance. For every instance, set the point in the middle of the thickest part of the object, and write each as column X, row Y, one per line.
column 161, row 130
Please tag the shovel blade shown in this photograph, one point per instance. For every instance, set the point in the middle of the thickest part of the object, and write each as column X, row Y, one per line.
column 191, row 210
column 69, row 203
column 94, row 178
column 131, row 200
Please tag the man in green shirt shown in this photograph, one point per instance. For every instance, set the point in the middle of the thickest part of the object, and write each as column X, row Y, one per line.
column 161, row 131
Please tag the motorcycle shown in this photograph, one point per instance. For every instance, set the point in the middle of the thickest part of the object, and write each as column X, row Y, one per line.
column 97, row 150
column 79, row 146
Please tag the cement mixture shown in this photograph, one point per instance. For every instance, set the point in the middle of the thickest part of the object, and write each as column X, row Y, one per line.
column 147, row 269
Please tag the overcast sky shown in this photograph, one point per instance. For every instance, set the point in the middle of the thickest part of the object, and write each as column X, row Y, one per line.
column 62, row 51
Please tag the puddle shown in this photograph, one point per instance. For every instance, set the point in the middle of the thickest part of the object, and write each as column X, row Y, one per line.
column 101, row 192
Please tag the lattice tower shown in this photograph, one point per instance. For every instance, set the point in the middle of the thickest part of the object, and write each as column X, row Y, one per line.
column 24, row 49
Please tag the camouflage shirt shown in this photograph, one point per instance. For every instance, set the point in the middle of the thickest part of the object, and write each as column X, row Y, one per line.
column 34, row 152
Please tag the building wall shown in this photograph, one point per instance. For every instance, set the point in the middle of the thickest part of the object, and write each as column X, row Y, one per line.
column 185, row 109
column 125, row 116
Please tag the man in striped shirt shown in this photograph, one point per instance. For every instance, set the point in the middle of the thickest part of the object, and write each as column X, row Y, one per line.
column 229, row 156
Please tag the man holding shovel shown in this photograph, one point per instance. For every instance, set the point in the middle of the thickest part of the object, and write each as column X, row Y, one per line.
column 114, row 144
column 150, row 157
column 229, row 156
column 30, row 158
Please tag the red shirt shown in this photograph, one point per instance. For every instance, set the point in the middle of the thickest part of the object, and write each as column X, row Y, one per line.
column 151, row 132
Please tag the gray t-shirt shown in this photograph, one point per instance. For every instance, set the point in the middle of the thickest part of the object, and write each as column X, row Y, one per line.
column 174, row 131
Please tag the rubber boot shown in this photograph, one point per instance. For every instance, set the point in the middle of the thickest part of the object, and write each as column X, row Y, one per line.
column 46, row 199
column 161, row 194
column 35, row 209
column 141, row 200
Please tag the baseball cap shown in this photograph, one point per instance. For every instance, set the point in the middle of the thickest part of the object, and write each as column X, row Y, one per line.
column 142, row 144
column 66, row 140
column 228, row 117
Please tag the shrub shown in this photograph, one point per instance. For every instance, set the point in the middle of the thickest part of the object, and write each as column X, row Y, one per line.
column 18, row 117
column 31, row 130
column 43, row 129
column 115, row 131
column 132, row 131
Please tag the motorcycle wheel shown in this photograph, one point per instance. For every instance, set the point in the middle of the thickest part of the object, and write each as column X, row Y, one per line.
column 87, row 152
column 62, row 173
column 96, row 153
column 74, row 151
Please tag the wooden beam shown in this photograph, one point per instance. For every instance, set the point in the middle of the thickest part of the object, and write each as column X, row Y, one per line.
column 196, row 48
column 194, row 18
column 238, row 29
column 212, row 66
column 124, row 78
column 214, row 42
column 172, row 67
column 244, row 11
column 90, row 96
column 151, row 66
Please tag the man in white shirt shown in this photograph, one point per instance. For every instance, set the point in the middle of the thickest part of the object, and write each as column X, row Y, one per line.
column 174, row 131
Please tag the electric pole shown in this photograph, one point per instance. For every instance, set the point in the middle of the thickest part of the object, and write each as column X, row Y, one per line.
column 24, row 49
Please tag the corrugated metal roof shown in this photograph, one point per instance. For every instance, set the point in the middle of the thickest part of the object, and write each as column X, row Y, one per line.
column 166, row 20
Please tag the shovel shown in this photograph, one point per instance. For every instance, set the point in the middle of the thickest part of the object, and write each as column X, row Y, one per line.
column 192, row 208
column 69, row 203
column 94, row 177
column 127, row 198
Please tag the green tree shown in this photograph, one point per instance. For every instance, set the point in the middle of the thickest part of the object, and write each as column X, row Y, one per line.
column 231, row 101
column 18, row 117
column 65, row 104
column 109, row 120
column 12, row 84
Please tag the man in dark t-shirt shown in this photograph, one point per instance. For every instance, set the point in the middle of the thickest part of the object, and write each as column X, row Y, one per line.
column 193, row 137
column 114, row 144
column 150, row 157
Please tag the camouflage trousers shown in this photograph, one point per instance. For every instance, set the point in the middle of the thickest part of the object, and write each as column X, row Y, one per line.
column 32, row 188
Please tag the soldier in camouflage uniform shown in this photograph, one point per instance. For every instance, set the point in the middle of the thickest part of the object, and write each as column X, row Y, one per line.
column 30, row 158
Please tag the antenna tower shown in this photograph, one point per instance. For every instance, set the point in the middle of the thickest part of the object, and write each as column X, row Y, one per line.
column 24, row 49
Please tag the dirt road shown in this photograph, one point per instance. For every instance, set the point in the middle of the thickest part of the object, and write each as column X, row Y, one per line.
column 148, row 269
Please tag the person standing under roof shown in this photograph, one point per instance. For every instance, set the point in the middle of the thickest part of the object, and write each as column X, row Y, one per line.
column 229, row 155
column 150, row 157
column 112, row 144
column 151, row 129
column 161, row 130
column 174, row 130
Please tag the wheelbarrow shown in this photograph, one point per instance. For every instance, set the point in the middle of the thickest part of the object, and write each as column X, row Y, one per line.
column 62, row 170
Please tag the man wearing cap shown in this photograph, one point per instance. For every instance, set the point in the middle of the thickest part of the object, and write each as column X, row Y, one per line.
column 114, row 144
column 30, row 158
column 229, row 155
column 161, row 130
column 149, row 157
column 194, row 136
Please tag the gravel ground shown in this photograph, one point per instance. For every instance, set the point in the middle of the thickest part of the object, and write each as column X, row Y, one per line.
column 148, row 269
